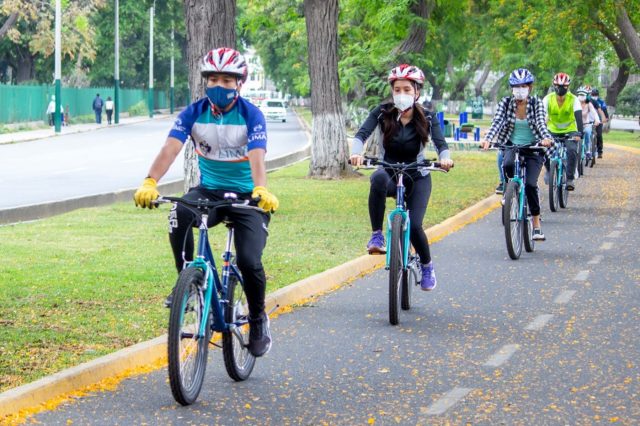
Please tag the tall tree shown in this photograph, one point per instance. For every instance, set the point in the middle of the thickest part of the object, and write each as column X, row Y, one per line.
column 627, row 30
column 210, row 24
column 328, row 141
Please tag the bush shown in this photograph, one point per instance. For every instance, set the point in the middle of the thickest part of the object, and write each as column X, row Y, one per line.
column 629, row 101
column 138, row 109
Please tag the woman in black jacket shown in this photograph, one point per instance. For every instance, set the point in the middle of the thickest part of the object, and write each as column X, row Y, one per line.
column 405, row 126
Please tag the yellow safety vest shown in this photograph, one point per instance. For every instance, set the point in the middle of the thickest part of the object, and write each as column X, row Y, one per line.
column 561, row 118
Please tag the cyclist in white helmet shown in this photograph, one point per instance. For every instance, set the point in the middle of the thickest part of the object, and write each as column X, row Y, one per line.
column 229, row 134
column 590, row 117
column 406, row 127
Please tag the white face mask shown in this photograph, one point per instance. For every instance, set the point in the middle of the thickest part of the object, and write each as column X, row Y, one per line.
column 520, row 93
column 582, row 98
column 595, row 98
column 403, row 102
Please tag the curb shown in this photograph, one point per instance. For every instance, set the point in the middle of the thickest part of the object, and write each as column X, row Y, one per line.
column 41, row 211
column 37, row 396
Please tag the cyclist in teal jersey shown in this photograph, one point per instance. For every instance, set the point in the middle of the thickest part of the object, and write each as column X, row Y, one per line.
column 229, row 134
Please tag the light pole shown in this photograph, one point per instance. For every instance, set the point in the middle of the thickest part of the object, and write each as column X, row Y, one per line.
column 116, row 71
column 172, row 69
column 58, row 66
column 151, row 61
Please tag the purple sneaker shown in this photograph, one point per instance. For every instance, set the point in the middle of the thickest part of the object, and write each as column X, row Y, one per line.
column 428, row 281
column 376, row 243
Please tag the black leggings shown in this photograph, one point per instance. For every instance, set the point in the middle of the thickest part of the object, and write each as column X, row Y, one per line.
column 533, row 163
column 599, row 137
column 250, row 238
column 416, row 197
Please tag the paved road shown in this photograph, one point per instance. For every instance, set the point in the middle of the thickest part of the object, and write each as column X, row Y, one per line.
column 103, row 160
column 549, row 339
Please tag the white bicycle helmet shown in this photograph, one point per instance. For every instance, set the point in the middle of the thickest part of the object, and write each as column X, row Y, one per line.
column 224, row 60
column 406, row 72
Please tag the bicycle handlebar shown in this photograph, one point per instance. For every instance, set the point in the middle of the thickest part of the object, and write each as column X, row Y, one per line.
column 202, row 204
column 431, row 165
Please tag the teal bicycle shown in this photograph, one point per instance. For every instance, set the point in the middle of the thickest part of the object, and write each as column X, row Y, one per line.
column 516, row 216
column 206, row 302
column 558, row 192
column 402, row 262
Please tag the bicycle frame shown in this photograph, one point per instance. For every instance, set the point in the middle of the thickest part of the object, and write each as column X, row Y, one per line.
column 400, row 188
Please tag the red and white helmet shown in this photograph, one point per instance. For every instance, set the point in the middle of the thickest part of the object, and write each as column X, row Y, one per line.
column 406, row 72
column 224, row 60
column 561, row 79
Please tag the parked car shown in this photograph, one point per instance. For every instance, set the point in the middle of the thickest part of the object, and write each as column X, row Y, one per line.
column 274, row 109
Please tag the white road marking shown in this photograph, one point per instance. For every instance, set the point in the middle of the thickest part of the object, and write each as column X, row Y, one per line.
column 606, row 246
column 564, row 297
column 596, row 259
column 446, row 401
column 614, row 234
column 62, row 172
column 502, row 356
column 539, row 322
column 620, row 224
column 581, row 276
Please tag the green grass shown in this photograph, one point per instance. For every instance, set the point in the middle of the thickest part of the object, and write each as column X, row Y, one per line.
column 92, row 281
column 621, row 137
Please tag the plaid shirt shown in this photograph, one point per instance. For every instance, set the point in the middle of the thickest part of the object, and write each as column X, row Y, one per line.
column 505, row 119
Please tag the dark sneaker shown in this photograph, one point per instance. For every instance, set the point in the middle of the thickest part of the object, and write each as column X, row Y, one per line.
column 500, row 188
column 259, row 335
column 376, row 243
column 538, row 235
column 570, row 185
column 428, row 281
column 546, row 177
column 599, row 155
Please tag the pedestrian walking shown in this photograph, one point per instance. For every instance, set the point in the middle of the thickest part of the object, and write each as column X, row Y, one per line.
column 108, row 107
column 51, row 110
column 97, row 108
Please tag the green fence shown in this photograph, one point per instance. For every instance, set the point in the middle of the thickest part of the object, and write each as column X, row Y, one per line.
column 29, row 103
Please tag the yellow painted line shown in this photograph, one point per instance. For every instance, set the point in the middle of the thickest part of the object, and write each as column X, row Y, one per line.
column 105, row 373
column 623, row 148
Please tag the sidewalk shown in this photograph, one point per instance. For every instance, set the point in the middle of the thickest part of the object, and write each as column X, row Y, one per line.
column 30, row 135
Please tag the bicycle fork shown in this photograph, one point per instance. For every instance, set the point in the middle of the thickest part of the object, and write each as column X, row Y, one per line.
column 406, row 222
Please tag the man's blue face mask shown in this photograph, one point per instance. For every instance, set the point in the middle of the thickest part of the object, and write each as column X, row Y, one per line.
column 220, row 96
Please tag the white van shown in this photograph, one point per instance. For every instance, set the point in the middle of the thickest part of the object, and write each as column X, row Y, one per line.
column 274, row 109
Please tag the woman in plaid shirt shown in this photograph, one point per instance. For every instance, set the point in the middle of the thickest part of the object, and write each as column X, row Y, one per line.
column 520, row 120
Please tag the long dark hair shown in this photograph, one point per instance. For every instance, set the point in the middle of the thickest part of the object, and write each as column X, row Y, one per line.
column 391, row 124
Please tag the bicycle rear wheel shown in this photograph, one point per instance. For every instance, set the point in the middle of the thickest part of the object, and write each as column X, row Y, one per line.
column 395, row 267
column 409, row 280
column 512, row 224
column 553, row 186
column 594, row 149
column 187, row 352
column 237, row 359
column 581, row 158
column 563, row 192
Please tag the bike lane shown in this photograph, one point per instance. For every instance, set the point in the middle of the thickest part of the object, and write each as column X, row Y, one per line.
column 548, row 339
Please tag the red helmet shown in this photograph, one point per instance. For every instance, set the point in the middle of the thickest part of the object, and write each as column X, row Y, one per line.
column 406, row 72
column 224, row 60
column 561, row 79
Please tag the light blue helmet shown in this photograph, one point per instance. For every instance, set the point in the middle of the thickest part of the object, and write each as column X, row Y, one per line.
column 520, row 76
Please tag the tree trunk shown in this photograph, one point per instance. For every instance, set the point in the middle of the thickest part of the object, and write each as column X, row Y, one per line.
column 623, row 56
column 493, row 92
column 480, row 83
column 435, row 85
column 328, row 139
column 24, row 68
column 8, row 24
column 416, row 39
column 209, row 24
column 629, row 33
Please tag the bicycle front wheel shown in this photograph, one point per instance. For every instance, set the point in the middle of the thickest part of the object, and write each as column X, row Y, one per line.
column 512, row 223
column 409, row 280
column 395, row 267
column 563, row 192
column 187, row 351
column 527, row 230
column 235, row 343
column 553, row 186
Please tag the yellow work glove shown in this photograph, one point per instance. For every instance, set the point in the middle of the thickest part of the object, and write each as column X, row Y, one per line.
column 268, row 202
column 147, row 193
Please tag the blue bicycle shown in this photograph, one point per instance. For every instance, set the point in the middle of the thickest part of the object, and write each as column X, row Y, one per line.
column 516, row 217
column 204, row 302
column 558, row 192
column 402, row 262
